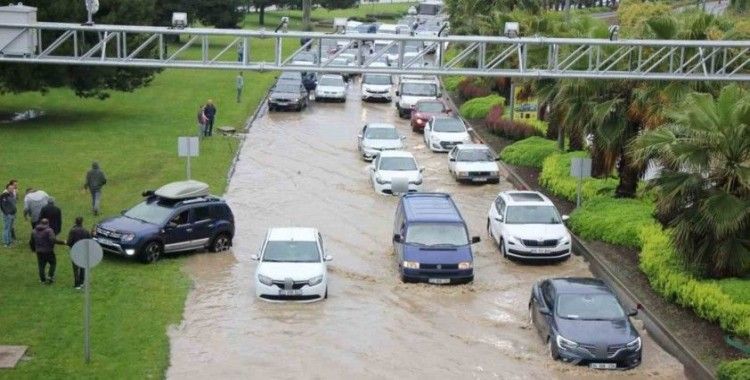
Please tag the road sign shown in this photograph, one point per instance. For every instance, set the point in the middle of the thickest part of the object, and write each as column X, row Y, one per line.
column 86, row 253
column 188, row 147
column 580, row 167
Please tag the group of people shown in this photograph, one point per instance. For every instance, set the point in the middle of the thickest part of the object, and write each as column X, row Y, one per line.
column 206, row 117
column 46, row 223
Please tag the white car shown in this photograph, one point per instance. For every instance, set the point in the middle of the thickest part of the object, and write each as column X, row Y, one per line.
column 292, row 266
column 442, row 133
column 377, row 87
column 473, row 163
column 331, row 87
column 410, row 91
column 389, row 165
column 378, row 137
column 526, row 225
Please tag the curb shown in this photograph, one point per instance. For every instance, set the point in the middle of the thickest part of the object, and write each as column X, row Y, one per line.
column 248, row 124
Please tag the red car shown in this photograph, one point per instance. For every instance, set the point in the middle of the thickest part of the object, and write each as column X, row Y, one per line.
column 424, row 110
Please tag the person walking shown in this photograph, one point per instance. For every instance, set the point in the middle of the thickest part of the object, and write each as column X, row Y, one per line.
column 95, row 180
column 33, row 203
column 43, row 242
column 202, row 120
column 53, row 214
column 8, row 209
column 77, row 233
column 240, row 83
column 210, row 111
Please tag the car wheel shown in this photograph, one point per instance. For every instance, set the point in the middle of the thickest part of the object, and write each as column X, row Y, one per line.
column 552, row 349
column 531, row 316
column 325, row 296
column 405, row 279
column 151, row 252
column 221, row 243
column 502, row 248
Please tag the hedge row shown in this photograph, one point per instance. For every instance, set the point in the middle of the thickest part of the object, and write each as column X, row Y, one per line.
column 734, row 370
column 555, row 176
column 612, row 220
column 451, row 82
column 529, row 152
column 667, row 276
column 479, row 107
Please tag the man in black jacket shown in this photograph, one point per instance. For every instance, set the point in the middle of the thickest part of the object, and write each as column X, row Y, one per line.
column 43, row 242
column 77, row 233
column 8, row 210
column 210, row 111
column 53, row 214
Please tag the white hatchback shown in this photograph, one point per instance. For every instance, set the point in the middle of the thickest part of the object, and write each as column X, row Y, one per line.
column 442, row 133
column 331, row 87
column 292, row 266
column 395, row 165
column 378, row 137
column 473, row 163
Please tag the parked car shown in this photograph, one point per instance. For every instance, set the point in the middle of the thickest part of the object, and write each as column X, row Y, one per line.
column 180, row 216
column 377, row 87
column 582, row 322
column 442, row 133
column 423, row 110
column 410, row 91
column 526, row 225
column 292, row 266
column 288, row 95
column 473, row 163
column 331, row 87
column 391, row 164
column 431, row 240
column 378, row 137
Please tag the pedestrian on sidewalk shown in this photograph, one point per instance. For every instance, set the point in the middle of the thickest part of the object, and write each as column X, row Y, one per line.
column 8, row 209
column 77, row 233
column 53, row 214
column 210, row 111
column 202, row 120
column 95, row 180
column 240, row 83
column 43, row 242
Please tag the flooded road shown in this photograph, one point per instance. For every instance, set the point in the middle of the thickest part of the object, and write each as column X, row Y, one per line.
column 302, row 169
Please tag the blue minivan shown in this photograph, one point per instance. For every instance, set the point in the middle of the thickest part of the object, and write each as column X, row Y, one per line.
column 431, row 240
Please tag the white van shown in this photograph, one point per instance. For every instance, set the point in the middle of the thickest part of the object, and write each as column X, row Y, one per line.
column 411, row 90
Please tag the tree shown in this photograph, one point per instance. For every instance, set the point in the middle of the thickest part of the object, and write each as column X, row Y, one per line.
column 703, row 191
column 337, row 4
column 219, row 13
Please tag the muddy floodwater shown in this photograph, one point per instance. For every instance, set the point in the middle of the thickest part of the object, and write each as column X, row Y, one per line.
column 302, row 169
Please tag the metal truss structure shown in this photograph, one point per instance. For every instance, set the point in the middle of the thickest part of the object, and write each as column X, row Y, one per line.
column 233, row 49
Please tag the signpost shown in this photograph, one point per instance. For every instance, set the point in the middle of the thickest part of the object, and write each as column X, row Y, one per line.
column 580, row 168
column 188, row 147
column 86, row 253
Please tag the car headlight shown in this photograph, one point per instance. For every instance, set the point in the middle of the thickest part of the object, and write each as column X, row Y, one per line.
column 417, row 182
column 462, row 174
column 410, row 265
column 494, row 173
column 420, row 121
column 634, row 345
column 126, row 237
column 465, row 265
column 565, row 240
column 315, row 280
column 265, row 280
column 380, row 180
column 566, row 344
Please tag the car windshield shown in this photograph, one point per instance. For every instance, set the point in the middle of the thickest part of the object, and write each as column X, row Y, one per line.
column 284, row 87
column 331, row 81
column 475, row 155
column 589, row 307
column 364, row 28
column 437, row 234
column 152, row 212
column 305, row 57
column 381, row 134
column 377, row 79
column 290, row 76
column 532, row 215
column 428, row 9
column 292, row 251
column 431, row 107
column 397, row 163
column 419, row 89
column 448, row 125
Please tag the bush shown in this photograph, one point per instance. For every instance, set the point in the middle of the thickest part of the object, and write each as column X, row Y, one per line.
column 668, row 277
column 734, row 370
column 529, row 152
column 617, row 221
column 469, row 88
column 478, row 108
column 555, row 176
column 513, row 130
column 451, row 82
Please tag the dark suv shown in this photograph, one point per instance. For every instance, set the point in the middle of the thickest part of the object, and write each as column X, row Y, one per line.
column 168, row 224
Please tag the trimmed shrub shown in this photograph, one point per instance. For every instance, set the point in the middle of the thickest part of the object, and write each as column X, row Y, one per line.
column 529, row 152
column 451, row 82
column 737, row 288
column 555, row 176
column 478, row 108
column 667, row 275
column 734, row 370
column 469, row 88
column 513, row 130
column 617, row 221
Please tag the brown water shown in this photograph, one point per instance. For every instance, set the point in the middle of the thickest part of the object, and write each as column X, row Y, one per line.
column 302, row 169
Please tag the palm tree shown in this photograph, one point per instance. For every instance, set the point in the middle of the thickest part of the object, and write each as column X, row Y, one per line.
column 703, row 191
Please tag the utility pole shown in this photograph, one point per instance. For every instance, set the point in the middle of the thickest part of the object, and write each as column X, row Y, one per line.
column 306, row 8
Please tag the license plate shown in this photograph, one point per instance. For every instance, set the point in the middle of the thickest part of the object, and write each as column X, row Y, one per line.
column 603, row 365
column 105, row 241
column 439, row 280
column 290, row 292
column 479, row 179
column 538, row 250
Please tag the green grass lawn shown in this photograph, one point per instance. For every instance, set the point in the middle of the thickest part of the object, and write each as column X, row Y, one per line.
column 273, row 18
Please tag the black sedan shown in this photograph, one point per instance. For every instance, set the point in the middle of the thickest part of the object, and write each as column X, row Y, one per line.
column 288, row 95
column 582, row 322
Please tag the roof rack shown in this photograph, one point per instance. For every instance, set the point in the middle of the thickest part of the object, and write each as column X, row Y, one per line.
column 183, row 190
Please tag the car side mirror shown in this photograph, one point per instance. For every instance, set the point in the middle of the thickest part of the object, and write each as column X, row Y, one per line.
column 470, row 129
column 171, row 225
column 328, row 258
column 254, row 257
column 359, row 136
column 499, row 218
column 397, row 238
column 421, row 169
column 565, row 218
column 545, row 311
column 475, row 239
column 439, row 94
column 451, row 159
column 632, row 312
column 497, row 158
column 403, row 137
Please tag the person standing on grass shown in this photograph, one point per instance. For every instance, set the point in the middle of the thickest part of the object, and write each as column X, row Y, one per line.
column 210, row 111
column 95, row 180
column 8, row 209
column 43, row 242
column 14, row 183
column 202, row 120
column 240, row 83
column 77, row 233
column 33, row 203
column 53, row 214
